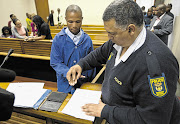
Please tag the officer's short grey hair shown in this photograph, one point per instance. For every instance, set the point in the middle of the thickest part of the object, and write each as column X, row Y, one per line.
column 73, row 8
column 124, row 12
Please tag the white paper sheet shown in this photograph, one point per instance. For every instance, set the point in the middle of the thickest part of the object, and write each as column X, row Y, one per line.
column 79, row 99
column 26, row 94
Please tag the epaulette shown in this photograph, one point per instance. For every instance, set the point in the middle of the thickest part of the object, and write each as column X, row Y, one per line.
column 156, row 78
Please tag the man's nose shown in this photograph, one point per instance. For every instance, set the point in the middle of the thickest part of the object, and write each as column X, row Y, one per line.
column 74, row 24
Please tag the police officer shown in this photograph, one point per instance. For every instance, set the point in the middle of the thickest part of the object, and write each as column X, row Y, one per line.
column 141, row 72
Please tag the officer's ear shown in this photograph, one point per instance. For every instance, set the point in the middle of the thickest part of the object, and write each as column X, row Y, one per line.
column 131, row 29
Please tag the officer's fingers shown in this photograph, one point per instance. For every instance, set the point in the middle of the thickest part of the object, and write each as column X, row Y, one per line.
column 68, row 75
column 79, row 71
column 73, row 74
column 71, row 82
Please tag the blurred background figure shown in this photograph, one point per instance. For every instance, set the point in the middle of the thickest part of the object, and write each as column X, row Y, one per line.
column 59, row 18
column 6, row 32
column 43, row 29
column 148, row 17
column 10, row 23
column 33, row 26
column 143, row 10
column 28, row 21
column 19, row 31
column 168, row 9
column 153, row 10
column 162, row 23
column 51, row 19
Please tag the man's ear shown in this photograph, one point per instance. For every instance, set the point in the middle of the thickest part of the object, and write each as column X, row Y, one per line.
column 131, row 29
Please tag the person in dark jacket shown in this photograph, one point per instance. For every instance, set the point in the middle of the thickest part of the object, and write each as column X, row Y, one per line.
column 51, row 19
column 141, row 72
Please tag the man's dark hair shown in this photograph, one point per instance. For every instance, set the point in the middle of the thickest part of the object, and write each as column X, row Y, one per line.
column 170, row 5
column 11, row 15
column 6, row 28
column 143, row 7
column 124, row 12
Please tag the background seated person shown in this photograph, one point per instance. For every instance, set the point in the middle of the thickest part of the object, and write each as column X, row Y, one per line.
column 18, row 30
column 10, row 23
column 148, row 17
column 43, row 29
column 33, row 26
column 6, row 32
column 28, row 21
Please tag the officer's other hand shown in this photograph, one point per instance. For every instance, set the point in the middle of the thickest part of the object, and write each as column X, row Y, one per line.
column 74, row 74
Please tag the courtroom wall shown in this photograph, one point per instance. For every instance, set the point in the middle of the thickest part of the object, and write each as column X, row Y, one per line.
column 17, row 7
column 92, row 9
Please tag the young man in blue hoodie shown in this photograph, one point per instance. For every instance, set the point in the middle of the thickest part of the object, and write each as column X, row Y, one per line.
column 68, row 47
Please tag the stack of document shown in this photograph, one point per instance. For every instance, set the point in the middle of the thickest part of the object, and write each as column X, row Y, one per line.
column 28, row 94
column 79, row 99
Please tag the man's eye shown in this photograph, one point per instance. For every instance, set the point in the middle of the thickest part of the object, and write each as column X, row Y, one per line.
column 112, row 34
column 70, row 21
column 78, row 21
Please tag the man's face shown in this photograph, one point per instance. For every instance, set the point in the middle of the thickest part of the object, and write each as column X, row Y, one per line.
column 149, row 13
column 157, row 12
column 153, row 10
column 116, row 35
column 58, row 11
column 13, row 17
column 74, row 21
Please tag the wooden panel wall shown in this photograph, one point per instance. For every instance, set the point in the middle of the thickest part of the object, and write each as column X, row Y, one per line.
column 42, row 8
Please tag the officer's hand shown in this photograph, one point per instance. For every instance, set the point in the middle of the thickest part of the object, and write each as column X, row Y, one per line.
column 93, row 109
column 74, row 74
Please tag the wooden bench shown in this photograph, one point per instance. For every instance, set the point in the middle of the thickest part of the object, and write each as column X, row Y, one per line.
column 86, row 30
column 35, row 50
column 102, row 37
column 94, row 36
column 83, row 26
column 39, row 49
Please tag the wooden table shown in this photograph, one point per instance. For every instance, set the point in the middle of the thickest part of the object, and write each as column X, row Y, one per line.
column 56, row 116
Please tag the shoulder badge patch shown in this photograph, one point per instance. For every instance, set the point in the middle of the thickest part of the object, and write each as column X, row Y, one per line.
column 158, row 86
